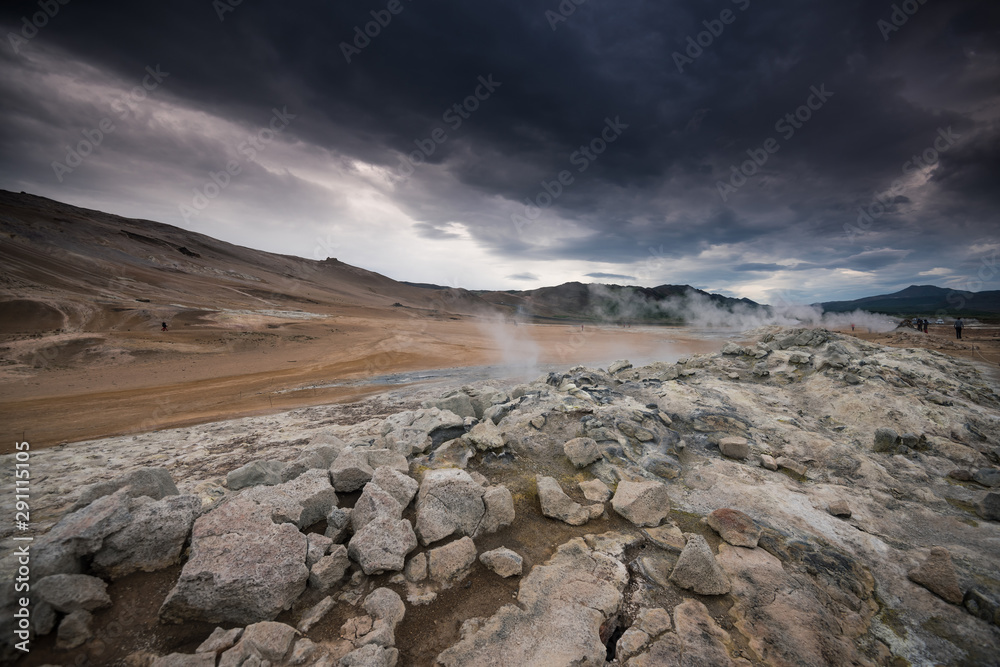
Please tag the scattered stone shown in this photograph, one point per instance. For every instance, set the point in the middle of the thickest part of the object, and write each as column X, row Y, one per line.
column 557, row 505
column 315, row 614
column 538, row 422
column 485, row 436
column 885, row 440
column 987, row 477
column 338, row 523
column 595, row 491
column 654, row 622
column 329, row 570
column 449, row 564
column 582, row 451
column 371, row 655
column 839, row 508
column 619, row 366
column 255, row 473
column 703, row 640
column 656, row 565
column 374, row 503
column 449, row 501
column 760, row 369
column 457, row 402
column 184, row 660
column 416, row 568
column 630, row 643
column 961, row 475
column 735, row 527
column 768, row 462
column 382, row 545
column 402, row 487
column 734, row 448
column 498, row 510
column 794, row 466
column 155, row 483
column 731, row 348
column 220, row 640
column 642, row 503
column 67, row 593
column 937, row 574
column 502, row 561
column 320, row 457
column 697, row 570
column 153, row 539
column 317, row 546
column 78, row 534
column 302, row 501
column 351, row 470
column 989, row 507
column 74, row 630
column 272, row 640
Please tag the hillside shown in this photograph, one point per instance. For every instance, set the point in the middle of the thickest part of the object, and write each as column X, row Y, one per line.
column 924, row 300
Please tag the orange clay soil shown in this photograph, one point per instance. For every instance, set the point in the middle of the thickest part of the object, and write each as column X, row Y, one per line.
column 69, row 387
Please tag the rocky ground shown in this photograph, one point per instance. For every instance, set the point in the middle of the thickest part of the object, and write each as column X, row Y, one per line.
column 810, row 498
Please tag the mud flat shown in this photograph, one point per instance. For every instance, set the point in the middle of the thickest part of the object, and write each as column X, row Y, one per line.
column 800, row 497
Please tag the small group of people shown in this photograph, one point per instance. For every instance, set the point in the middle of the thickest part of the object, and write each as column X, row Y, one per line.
column 922, row 324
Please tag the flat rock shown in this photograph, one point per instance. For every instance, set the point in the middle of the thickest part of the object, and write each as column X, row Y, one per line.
column 382, row 545
column 564, row 605
column 595, row 491
column 502, row 561
column 485, row 436
column 667, row 537
column 937, row 574
column 582, row 451
column 370, row 655
column 642, row 503
column 790, row 464
column 734, row 527
column 458, row 403
column 557, row 505
column 152, row 540
column 697, row 570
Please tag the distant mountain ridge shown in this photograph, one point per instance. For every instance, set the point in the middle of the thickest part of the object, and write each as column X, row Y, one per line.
column 927, row 300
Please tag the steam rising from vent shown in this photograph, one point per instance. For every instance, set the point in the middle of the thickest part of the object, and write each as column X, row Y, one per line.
column 519, row 351
column 700, row 310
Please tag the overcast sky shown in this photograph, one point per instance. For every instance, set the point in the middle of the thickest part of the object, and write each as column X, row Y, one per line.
column 732, row 145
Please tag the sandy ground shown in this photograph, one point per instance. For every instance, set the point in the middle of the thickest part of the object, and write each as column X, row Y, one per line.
column 68, row 387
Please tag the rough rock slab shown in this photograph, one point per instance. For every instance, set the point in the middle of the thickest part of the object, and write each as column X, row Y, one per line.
column 153, row 539
column 303, row 501
column 315, row 614
column 595, row 491
column 184, row 660
column 220, row 640
column 642, row 503
column 78, row 534
column 449, row 564
column 498, row 510
column 734, row 527
column 243, row 568
column 382, row 545
column 734, row 448
column 374, row 503
column 839, row 508
column 402, row 487
column 697, row 570
column 155, row 483
column 255, row 473
column 485, row 436
column 565, row 603
column 937, row 574
column 329, row 570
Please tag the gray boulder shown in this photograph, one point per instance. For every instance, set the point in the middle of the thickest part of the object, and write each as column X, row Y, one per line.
column 484, row 436
column 449, row 501
column 243, row 567
column 316, row 457
column 734, row 448
column 155, row 483
column 351, row 470
column 370, row 655
column 402, row 487
column 498, row 505
column 317, row 546
column 255, row 473
column 184, row 660
column 989, row 507
column 642, row 503
column 79, row 534
column 885, row 440
column 74, row 630
column 987, row 476
column 937, row 574
column 71, row 592
column 329, row 570
column 457, row 402
column 338, row 524
column 219, row 640
column 449, row 564
column 266, row 641
column 153, row 539
column 375, row 502
column 382, row 545
column 697, row 569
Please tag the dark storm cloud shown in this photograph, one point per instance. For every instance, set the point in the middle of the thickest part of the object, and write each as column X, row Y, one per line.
column 476, row 109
